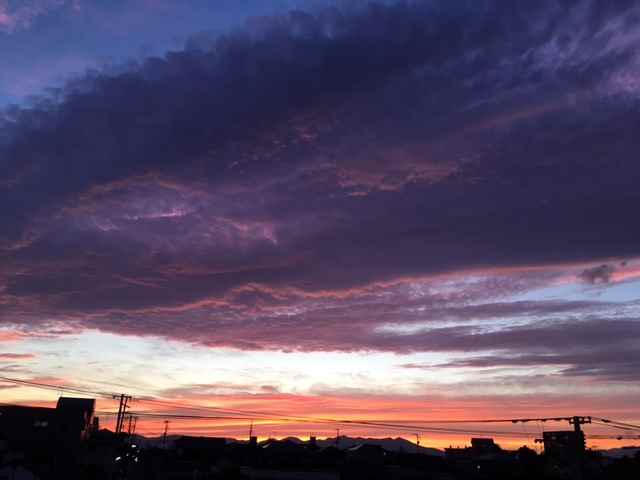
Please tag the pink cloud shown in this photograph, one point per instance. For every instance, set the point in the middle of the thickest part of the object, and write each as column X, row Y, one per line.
column 16, row 356
column 10, row 336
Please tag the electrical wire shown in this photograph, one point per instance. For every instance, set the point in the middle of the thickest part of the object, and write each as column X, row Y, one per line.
column 422, row 426
column 608, row 421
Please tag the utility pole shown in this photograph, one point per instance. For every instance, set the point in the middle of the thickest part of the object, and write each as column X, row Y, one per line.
column 131, row 429
column 417, row 443
column 250, row 430
column 164, row 435
column 133, row 421
column 577, row 421
column 122, row 409
column 123, row 465
column 580, row 446
column 337, row 437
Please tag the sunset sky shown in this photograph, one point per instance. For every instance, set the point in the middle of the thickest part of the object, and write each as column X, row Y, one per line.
column 401, row 211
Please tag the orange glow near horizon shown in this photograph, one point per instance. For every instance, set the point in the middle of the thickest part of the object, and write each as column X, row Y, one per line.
column 380, row 410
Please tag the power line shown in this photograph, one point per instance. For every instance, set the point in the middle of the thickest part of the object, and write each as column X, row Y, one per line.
column 612, row 425
column 608, row 421
column 350, row 421
column 369, row 423
column 54, row 387
column 289, row 420
column 373, row 425
column 614, row 437
column 418, row 425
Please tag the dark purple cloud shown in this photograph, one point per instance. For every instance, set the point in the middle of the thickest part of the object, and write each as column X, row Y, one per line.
column 615, row 360
column 297, row 183
column 599, row 274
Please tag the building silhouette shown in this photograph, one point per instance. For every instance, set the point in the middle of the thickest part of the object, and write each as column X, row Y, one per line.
column 565, row 446
column 44, row 440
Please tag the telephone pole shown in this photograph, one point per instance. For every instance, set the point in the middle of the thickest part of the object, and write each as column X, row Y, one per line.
column 164, row 435
column 580, row 447
column 123, row 464
column 577, row 421
column 133, row 421
column 122, row 409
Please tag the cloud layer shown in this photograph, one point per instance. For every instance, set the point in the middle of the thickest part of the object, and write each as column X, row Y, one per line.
column 323, row 182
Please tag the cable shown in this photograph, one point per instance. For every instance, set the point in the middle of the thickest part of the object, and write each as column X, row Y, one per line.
column 54, row 387
column 418, row 425
column 611, row 425
column 274, row 414
column 629, row 425
column 404, row 428
column 264, row 414
column 250, row 414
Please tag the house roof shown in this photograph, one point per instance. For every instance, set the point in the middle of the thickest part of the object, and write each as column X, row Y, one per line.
column 367, row 448
column 19, row 412
column 26, row 424
column 72, row 403
column 282, row 445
